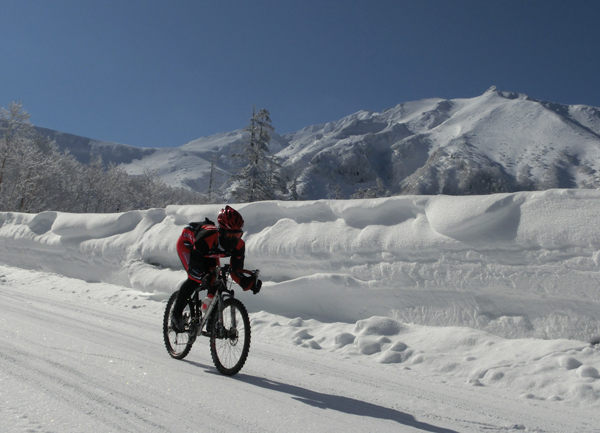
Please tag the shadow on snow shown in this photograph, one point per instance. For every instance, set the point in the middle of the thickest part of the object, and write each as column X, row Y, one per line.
column 341, row 404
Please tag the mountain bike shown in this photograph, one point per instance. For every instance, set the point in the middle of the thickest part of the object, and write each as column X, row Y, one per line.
column 226, row 323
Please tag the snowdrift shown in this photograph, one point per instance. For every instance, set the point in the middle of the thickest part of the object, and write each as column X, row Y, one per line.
column 515, row 265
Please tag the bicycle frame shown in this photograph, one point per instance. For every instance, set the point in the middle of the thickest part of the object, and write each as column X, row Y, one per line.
column 222, row 273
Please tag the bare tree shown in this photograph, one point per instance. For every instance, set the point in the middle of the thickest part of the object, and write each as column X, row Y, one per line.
column 35, row 176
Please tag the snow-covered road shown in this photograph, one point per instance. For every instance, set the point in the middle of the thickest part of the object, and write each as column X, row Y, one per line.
column 77, row 356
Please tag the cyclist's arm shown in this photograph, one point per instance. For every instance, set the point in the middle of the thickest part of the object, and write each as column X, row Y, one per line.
column 237, row 261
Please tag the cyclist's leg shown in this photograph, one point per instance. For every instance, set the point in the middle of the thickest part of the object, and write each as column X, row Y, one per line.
column 185, row 291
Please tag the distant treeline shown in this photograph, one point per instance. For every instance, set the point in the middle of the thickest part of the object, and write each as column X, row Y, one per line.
column 35, row 176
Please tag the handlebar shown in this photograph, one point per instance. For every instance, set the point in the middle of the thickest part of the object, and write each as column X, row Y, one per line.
column 221, row 273
column 226, row 269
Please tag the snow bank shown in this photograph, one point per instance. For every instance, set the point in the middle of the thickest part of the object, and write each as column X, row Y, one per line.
column 557, row 370
column 515, row 265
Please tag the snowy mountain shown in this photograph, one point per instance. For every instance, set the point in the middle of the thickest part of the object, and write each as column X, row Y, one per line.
column 496, row 142
column 84, row 148
column 187, row 166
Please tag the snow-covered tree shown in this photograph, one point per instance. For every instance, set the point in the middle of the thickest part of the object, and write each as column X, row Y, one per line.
column 260, row 176
column 215, row 180
column 63, row 190
column 524, row 181
column 35, row 176
column 14, row 129
column 335, row 192
column 373, row 192
column 25, row 158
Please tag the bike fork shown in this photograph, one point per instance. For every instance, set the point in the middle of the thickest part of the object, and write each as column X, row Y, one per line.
column 233, row 320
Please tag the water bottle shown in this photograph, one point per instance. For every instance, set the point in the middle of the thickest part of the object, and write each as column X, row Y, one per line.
column 206, row 303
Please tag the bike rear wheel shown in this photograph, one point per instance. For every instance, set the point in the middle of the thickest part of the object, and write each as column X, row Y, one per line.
column 230, row 345
column 178, row 344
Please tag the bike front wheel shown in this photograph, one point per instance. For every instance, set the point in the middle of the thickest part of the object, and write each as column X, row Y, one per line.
column 178, row 344
column 230, row 340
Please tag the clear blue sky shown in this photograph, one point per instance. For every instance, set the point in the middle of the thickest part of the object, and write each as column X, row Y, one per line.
column 161, row 73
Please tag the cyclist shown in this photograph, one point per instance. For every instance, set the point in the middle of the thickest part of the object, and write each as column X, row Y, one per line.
column 200, row 247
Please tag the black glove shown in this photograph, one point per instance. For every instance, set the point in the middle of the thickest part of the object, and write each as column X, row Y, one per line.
column 251, row 283
column 257, row 286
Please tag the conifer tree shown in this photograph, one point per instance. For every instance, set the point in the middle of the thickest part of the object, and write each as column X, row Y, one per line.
column 260, row 177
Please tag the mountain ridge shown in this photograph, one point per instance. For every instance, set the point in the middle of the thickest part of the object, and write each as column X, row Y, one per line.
column 496, row 142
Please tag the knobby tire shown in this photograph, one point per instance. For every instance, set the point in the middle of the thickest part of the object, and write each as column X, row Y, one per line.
column 229, row 354
column 178, row 344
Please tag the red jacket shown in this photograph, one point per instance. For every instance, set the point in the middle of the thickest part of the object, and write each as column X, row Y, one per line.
column 199, row 250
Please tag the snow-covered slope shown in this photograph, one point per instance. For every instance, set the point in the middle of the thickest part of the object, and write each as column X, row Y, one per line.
column 84, row 148
column 496, row 142
column 516, row 265
column 188, row 166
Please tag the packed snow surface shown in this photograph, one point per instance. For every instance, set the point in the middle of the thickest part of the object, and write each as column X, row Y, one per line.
column 423, row 305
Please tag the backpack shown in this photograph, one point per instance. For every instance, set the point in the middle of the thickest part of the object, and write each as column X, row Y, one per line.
column 202, row 229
